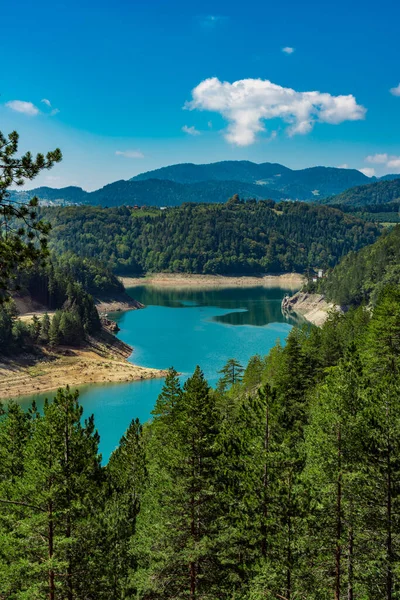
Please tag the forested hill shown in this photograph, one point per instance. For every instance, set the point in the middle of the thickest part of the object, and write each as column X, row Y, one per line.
column 65, row 284
column 361, row 276
column 174, row 185
column 150, row 192
column 235, row 237
column 302, row 184
column 281, row 483
column 71, row 194
column 155, row 192
column 380, row 192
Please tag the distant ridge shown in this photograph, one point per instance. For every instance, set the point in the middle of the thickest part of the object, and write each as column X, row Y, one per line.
column 214, row 182
column 379, row 192
column 302, row 184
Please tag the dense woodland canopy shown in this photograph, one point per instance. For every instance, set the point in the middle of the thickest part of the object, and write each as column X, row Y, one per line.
column 379, row 192
column 67, row 285
column 361, row 276
column 281, row 483
column 236, row 237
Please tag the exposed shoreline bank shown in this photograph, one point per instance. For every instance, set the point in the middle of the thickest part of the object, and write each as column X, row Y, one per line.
column 313, row 307
column 100, row 361
column 187, row 280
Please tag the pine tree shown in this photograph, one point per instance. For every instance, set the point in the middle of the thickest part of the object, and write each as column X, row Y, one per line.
column 45, row 329
column 54, row 506
column 174, row 555
column 36, row 327
column 231, row 373
column 126, row 476
column 54, row 329
column 334, row 472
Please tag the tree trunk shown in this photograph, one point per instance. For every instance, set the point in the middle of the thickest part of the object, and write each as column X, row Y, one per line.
column 289, row 545
column 389, row 546
column 51, row 550
column 192, row 564
column 264, row 542
column 350, row 594
column 70, row 593
column 338, row 549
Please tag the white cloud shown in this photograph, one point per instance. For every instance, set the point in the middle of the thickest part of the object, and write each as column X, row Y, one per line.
column 343, row 166
column 390, row 161
column 246, row 103
column 377, row 159
column 368, row 171
column 129, row 153
column 191, row 130
column 288, row 50
column 210, row 124
column 27, row 108
column 53, row 111
column 395, row 91
column 394, row 162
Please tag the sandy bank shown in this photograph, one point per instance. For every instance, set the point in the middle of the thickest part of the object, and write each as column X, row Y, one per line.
column 123, row 302
column 312, row 307
column 119, row 302
column 101, row 361
column 181, row 280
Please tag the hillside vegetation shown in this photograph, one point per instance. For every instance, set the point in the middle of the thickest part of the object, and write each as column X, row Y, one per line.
column 265, row 488
column 361, row 276
column 176, row 184
column 235, row 237
column 65, row 285
column 380, row 192
column 302, row 184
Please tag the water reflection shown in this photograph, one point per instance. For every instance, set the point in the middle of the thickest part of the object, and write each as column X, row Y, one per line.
column 256, row 306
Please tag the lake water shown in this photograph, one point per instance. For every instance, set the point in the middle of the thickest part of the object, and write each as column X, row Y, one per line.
column 182, row 328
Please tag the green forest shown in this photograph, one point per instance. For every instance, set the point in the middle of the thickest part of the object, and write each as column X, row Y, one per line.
column 362, row 276
column 379, row 192
column 235, row 237
column 66, row 284
column 280, row 483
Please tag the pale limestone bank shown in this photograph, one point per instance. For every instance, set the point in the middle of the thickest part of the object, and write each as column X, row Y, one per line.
column 101, row 360
column 186, row 280
column 313, row 307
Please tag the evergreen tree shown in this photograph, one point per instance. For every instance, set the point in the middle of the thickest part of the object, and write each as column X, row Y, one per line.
column 55, row 337
column 19, row 225
column 174, row 555
column 45, row 329
column 35, row 328
column 54, row 506
column 126, row 475
column 231, row 373
column 335, row 473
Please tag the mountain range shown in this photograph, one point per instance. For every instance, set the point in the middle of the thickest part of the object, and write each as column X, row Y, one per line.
column 215, row 182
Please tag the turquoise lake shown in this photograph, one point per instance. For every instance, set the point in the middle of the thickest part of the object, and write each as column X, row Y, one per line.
column 182, row 328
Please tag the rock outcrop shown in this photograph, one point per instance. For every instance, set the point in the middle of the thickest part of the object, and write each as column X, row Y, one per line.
column 313, row 307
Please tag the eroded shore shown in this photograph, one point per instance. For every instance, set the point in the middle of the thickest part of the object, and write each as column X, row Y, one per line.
column 313, row 307
column 101, row 361
column 181, row 280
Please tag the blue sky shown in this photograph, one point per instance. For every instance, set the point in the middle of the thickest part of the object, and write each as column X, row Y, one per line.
column 119, row 79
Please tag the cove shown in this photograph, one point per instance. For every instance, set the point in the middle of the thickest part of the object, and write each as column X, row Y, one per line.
column 181, row 328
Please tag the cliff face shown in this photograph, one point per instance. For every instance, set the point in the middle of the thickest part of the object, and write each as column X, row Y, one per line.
column 313, row 307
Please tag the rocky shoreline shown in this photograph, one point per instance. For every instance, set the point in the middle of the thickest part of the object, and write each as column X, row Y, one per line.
column 313, row 307
column 102, row 359
column 188, row 280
